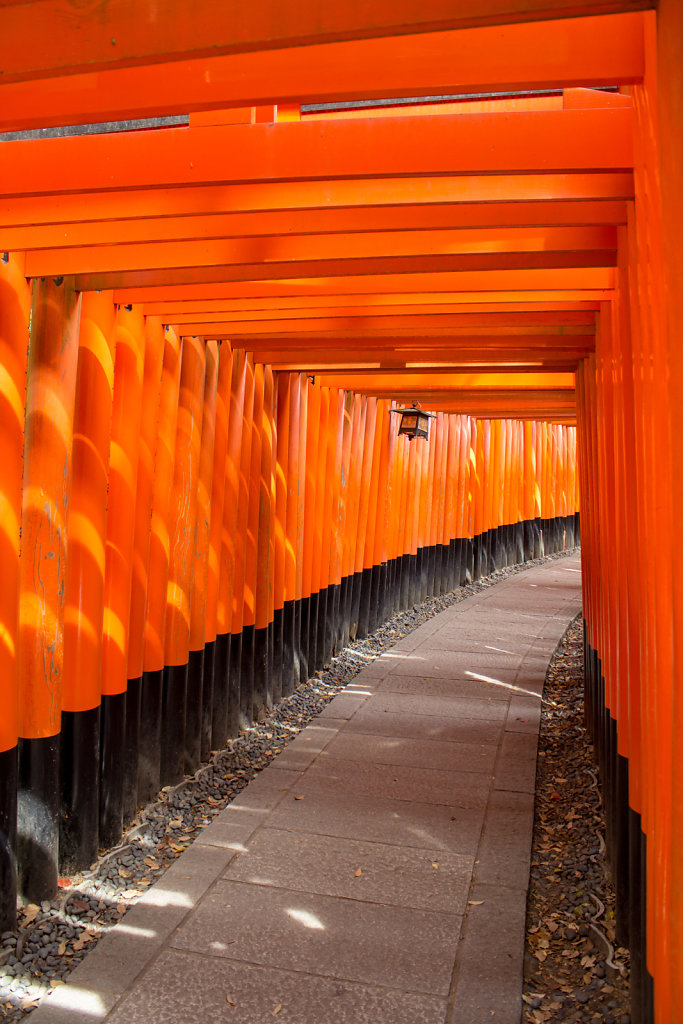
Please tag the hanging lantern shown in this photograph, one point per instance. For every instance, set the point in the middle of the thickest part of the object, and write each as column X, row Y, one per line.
column 414, row 422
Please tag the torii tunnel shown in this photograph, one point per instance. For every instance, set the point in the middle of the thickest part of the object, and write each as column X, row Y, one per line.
column 268, row 226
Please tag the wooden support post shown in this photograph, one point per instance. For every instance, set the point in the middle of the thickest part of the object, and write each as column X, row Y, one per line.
column 194, row 716
column 50, row 396
column 149, row 432
column 215, row 680
column 182, row 525
column 84, row 584
column 15, row 306
column 149, row 760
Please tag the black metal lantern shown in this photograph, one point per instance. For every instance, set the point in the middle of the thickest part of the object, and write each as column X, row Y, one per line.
column 414, row 422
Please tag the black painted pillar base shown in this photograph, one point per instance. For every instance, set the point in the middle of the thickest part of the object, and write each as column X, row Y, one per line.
column 313, row 639
column 290, row 653
column 112, row 733
column 423, row 573
column 37, row 818
column 205, row 725
column 332, row 620
column 247, row 677
column 275, row 655
column 404, row 595
column 468, row 550
column 207, row 700
column 621, row 849
column 479, row 568
column 374, row 607
column 343, row 635
column 304, row 638
column 173, row 711
column 8, row 839
column 131, row 743
column 262, row 700
column 193, row 711
column 80, row 791
column 149, row 754
column 234, row 684
column 219, row 710
column 298, row 667
column 364, row 604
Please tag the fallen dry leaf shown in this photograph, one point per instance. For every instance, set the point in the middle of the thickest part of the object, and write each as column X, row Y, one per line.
column 358, row 873
column 124, row 873
column 298, row 798
column 277, row 1009
column 230, row 1000
column 435, row 865
column 30, row 913
column 476, row 903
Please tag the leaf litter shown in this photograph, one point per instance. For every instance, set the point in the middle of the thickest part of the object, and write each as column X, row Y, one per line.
column 571, row 907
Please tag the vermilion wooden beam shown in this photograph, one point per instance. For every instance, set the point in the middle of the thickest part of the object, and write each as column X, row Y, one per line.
column 422, row 358
column 536, row 55
column 51, row 37
column 314, row 222
column 476, row 283
column 559, row 309
column 467, row 265
column 324, row 198
column 413, row 320
column 548, row 141
column 468, row 381
column 276, row 256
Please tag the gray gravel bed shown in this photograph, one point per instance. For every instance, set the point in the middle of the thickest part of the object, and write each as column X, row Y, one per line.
column 574, row 970
column 53, row 937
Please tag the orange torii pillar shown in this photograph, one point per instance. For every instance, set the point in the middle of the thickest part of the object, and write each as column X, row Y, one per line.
column 149, row 432
column 120, row 723
column 215, row 689
column 322, row 482
column 351, row 416
column 264, row 668
column 367, row 614
column 84, row 584
column 50, row 396
column 231, row 580
column 15, row 306
column 245, row 544
column 283, row 646
column 196, row 677
column 182, row 522
column 366, row 427
column 301, row 613
column 149, row 761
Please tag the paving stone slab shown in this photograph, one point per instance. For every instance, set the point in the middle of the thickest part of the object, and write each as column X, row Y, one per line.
column 524, row 714
column 437, row 827
column 428, row 727
column 304, row 748
column 337, row 938
column 488, row 978
column 465, row 685
column 257, row 992
column 442, row 707
column 372, row 872
column 396, row 782
column 504, row 855
column 344, row 705
column 416, row 753
column 427, row 661
column 516, row 764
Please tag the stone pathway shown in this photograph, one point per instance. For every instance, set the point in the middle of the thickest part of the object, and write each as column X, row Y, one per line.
column 377, row 870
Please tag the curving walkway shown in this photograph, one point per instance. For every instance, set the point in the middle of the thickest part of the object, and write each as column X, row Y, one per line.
column 377, row 870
